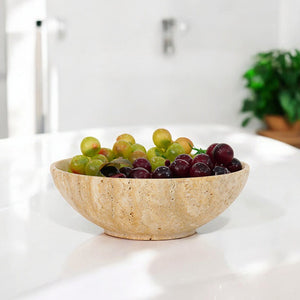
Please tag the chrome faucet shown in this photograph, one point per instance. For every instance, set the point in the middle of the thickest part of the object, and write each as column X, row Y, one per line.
column 168, row 36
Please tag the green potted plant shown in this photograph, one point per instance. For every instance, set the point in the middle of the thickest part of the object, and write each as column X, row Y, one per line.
column 274, row 85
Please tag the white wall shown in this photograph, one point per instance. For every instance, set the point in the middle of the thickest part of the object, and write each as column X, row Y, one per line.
column 111, row 69
column 289, row 31
column 3, row 104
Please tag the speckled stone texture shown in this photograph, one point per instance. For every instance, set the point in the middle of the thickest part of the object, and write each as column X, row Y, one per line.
column 148, row 209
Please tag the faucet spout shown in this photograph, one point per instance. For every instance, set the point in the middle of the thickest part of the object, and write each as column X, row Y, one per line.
column 168, row 36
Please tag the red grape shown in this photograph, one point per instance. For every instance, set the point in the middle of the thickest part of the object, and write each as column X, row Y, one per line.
column 185, row 157
column 200, row 169
column 209, row 151
column 223, row 154
column 204, row 158
column 109, row 171
column 218, row 170
column 234, row 165
column 119, row 175
column 142, row 163
column 167, row 162
column 139, row 172
column 162, row 172
column 180, row 168
column 125, row 170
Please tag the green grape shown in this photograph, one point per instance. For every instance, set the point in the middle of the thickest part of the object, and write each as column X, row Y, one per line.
column 78, row 163
column 154, row 151
column 93, row 167
column 162, row 138
column 135, row 147
column 157, row 161
column 120, row 163
column 101, row 157
column 186, row 143
column 122, row 149
column 90, row 146
column 126, row 137
column 108, row 153
column 137, row 154
column 173, row 151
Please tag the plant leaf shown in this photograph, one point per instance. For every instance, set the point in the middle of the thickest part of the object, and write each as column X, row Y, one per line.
column 246, row 121
column 273, row 81
column 249, row 74
column 248, row 105
column 287, row 103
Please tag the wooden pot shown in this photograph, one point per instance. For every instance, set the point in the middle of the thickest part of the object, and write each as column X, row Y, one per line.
column 280, row 129
column 277, row 123
column 296, row 126
column 280, row 123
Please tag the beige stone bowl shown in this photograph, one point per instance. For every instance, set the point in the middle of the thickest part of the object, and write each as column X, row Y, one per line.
column 148, row 209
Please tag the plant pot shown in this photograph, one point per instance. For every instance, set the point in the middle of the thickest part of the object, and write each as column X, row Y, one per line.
column 296, row 126
column 278, row 123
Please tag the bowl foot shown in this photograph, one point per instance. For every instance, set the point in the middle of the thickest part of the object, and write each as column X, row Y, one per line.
column 150, row 237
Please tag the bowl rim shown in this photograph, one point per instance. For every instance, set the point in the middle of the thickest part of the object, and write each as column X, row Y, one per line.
column 53, row 167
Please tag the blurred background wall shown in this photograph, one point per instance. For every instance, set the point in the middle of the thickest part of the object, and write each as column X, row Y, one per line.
column 3, row 103
column 105, row 64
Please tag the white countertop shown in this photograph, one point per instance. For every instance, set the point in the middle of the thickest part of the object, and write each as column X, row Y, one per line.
column 49, row 251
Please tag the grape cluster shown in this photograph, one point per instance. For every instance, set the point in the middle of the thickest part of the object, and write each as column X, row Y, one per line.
column 167, row 159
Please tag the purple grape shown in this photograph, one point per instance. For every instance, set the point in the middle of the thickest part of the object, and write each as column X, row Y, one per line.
column 139, row 172
column 209, row 151
column 162, row 172
column 223, row 154
column 142, row 163
column 218, row 170
column 125, row 170
column 203, row 158
column 180, row 168
column 167, row 163
column 185, row 157
column 219, row 165
column 109, row 171
column 119, row 175
column 199, row 169
column 234, row 165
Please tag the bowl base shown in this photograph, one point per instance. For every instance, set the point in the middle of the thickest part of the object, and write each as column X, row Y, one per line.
column 150, row 237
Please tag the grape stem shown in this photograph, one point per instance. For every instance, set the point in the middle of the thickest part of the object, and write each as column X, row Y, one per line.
column 198, row 151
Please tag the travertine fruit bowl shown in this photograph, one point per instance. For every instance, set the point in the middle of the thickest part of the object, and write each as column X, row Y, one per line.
column 148, row 209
